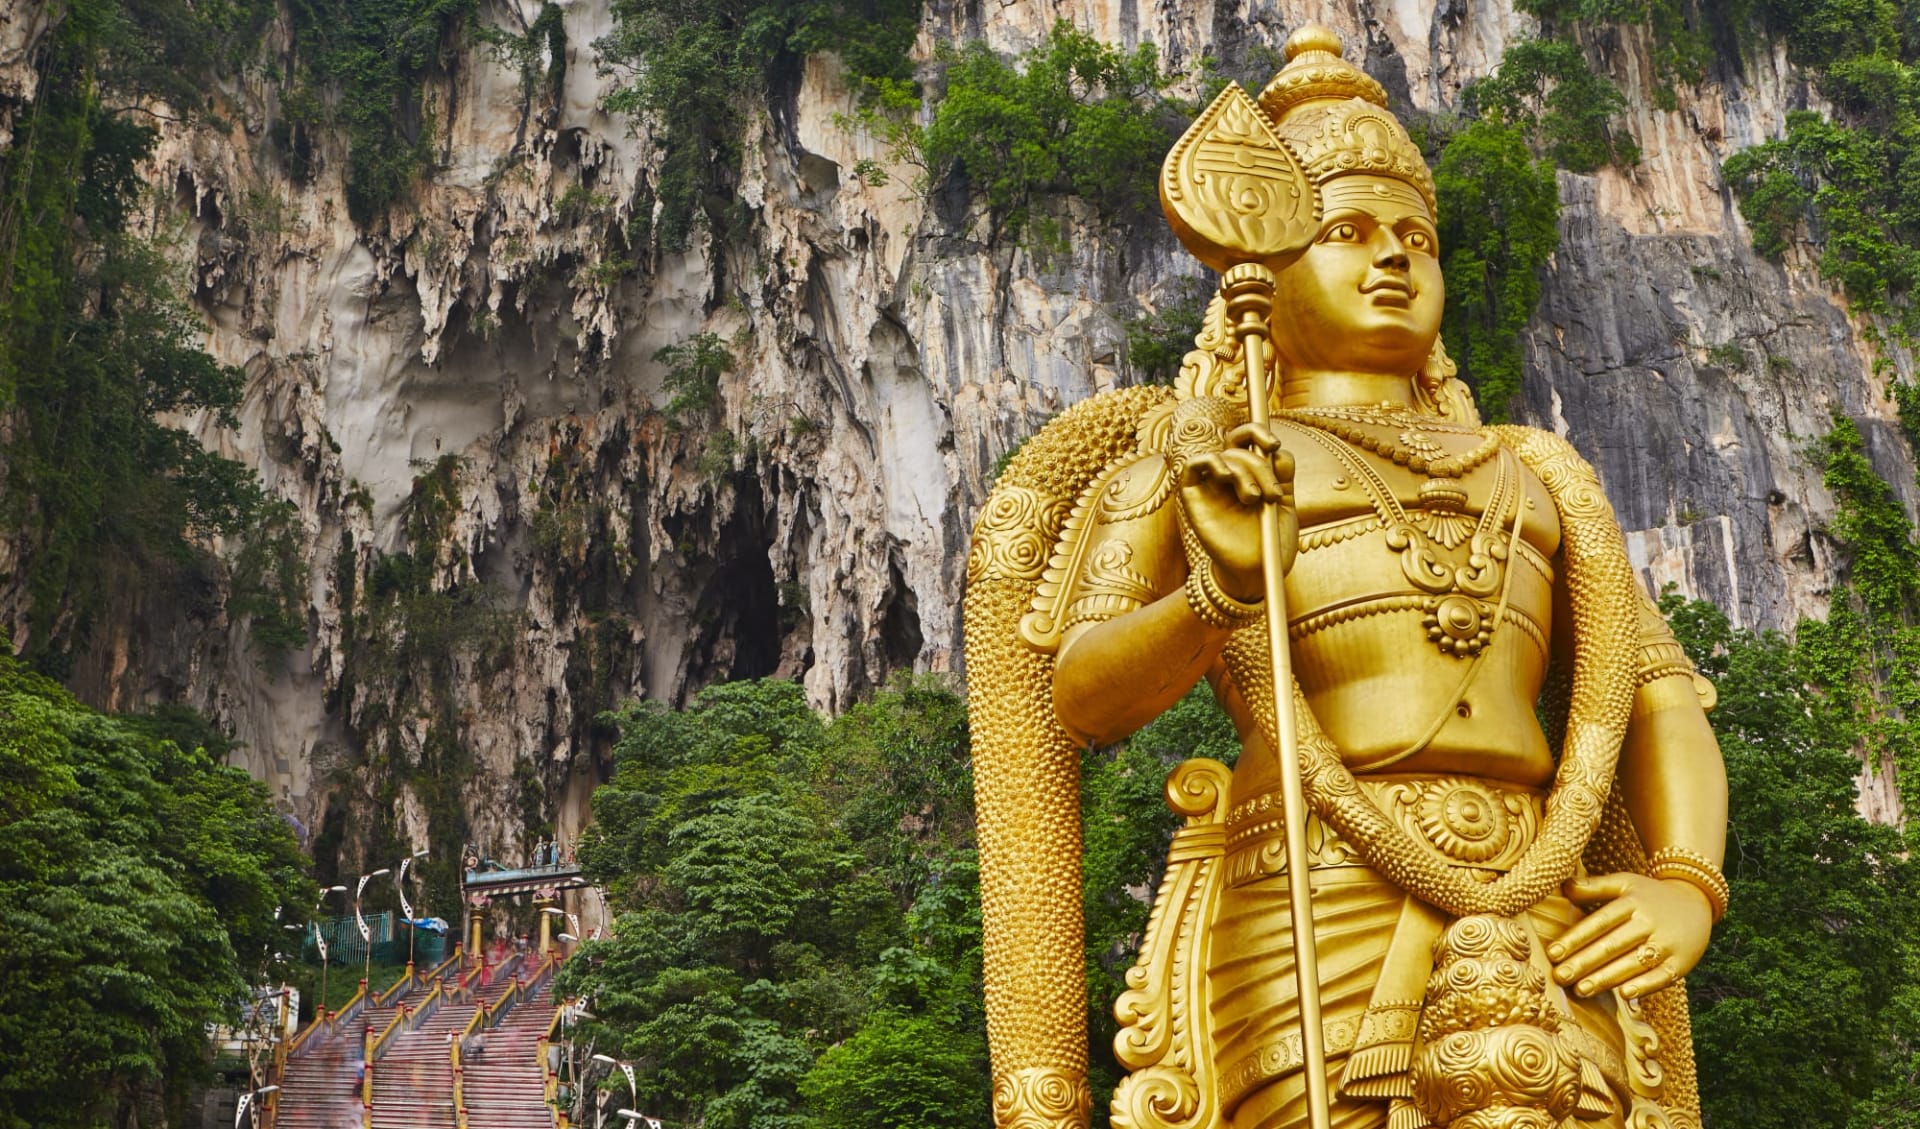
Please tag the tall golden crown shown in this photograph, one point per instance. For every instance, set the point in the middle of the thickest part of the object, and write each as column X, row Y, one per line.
column 1334, row 116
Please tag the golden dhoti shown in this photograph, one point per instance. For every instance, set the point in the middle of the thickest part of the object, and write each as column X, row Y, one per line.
column 1376, row 948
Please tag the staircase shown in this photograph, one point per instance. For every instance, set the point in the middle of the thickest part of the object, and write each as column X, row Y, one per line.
column 321, row 1086
column 413, row 1078
column 505, row 1079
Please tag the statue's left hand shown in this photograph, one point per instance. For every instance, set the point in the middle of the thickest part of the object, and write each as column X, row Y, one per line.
column 1642, row 934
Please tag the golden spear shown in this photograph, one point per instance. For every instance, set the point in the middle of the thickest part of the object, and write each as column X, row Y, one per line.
column 1239, row 202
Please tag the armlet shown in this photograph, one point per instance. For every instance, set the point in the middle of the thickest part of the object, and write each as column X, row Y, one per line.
column 1661, row 656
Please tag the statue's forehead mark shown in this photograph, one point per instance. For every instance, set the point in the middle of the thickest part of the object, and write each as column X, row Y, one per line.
column 1369, row 193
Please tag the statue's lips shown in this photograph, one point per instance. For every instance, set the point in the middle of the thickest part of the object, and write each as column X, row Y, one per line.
column 1391, row 292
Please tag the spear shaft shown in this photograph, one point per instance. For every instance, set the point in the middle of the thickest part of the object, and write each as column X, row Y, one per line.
column 1249, row 291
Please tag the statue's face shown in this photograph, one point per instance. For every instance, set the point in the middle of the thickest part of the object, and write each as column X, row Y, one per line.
column 1366, row 295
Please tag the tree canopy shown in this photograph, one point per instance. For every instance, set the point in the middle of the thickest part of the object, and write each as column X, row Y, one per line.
column 139, row 884
column 799, row 935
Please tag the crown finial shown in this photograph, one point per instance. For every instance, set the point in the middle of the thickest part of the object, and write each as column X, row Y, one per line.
column 1314, row 37
column 1333, row 116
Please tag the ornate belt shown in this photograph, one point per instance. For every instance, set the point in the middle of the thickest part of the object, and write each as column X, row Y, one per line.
column 1467, row 821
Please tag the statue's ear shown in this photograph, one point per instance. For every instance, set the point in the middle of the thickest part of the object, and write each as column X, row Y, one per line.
column 1438, row 390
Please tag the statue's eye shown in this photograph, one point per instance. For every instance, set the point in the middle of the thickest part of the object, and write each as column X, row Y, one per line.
column 1342, row 233
column 1418, row 241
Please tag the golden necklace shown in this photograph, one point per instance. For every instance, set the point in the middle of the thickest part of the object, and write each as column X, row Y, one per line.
column 1464, row 600
column 1412, row 448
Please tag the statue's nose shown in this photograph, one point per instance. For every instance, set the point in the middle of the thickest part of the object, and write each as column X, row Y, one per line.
column 1389, row 252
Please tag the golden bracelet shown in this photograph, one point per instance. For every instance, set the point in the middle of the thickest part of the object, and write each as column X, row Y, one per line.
column 1209, row 602
column 1213, row 606
column 1696, row 870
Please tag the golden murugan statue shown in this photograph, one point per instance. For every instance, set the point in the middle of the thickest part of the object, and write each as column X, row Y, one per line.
column 1497, row 763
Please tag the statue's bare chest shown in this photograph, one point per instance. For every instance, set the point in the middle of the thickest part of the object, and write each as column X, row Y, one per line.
column 1342, row 488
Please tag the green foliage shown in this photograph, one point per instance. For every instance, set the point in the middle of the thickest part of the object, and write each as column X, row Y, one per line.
column 889, row 111
column 1157, row 342
column 698, row 68
column 1499, row 223
column 168, row 49
column 540, row 56
column 1728, row 355
column 1869, row 648
column 802, row 910
column 139, row 887
column 1822, row 32
column 895, row 769
column 692, row 380
column 269, row 581
column 95, row 339
column 365, row 62
column 416, row 624
column 1852, row 181
column 800, row 941
column 1545, row 88
column 1680, row 51
column 1857, row 189
column 1072, row 115
column 1499, row 206
column 1804, row 1008
column 898, row 1072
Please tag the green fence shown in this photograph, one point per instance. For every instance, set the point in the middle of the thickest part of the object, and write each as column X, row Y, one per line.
column 389, row 940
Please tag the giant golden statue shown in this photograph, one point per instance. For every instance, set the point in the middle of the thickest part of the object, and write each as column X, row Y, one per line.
column 1494, row 760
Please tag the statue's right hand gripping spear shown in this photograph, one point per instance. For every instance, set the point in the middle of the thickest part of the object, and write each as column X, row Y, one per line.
column 1240, row 202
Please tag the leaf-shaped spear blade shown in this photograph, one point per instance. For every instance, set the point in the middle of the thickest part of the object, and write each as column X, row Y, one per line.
column 1232, row 190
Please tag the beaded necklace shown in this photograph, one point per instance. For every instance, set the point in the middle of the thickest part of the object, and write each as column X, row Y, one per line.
column 1412, row 448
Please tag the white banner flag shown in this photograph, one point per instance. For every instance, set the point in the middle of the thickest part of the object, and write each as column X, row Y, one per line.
column 366, row 934
column 633, row 1087
column 320, row 942
column 401, row 884
column 240, row 1111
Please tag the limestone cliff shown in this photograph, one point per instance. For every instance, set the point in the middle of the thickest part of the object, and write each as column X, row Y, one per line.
column 469, row 389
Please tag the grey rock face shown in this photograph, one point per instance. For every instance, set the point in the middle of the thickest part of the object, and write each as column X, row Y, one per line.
column 585, row 549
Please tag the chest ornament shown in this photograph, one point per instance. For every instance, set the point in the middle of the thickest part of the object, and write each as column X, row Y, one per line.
column 1461, row 590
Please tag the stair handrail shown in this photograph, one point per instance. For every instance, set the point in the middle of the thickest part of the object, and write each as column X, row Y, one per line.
column 378, row 1040
column 459, row 1092
column 300, row 1037
column 521, row 986
column 398, row 987
column 550, row 1086
column 472, row 1028
column 366, row 1078
column 439, row 970
column 492, row 1012
column 277, row 1068
column 348, row 1013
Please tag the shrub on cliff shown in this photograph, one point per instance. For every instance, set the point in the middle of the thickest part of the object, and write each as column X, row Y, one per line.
column 1499, row 223
column 1072, row 116
column 697, row 70
column 1849, row 181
